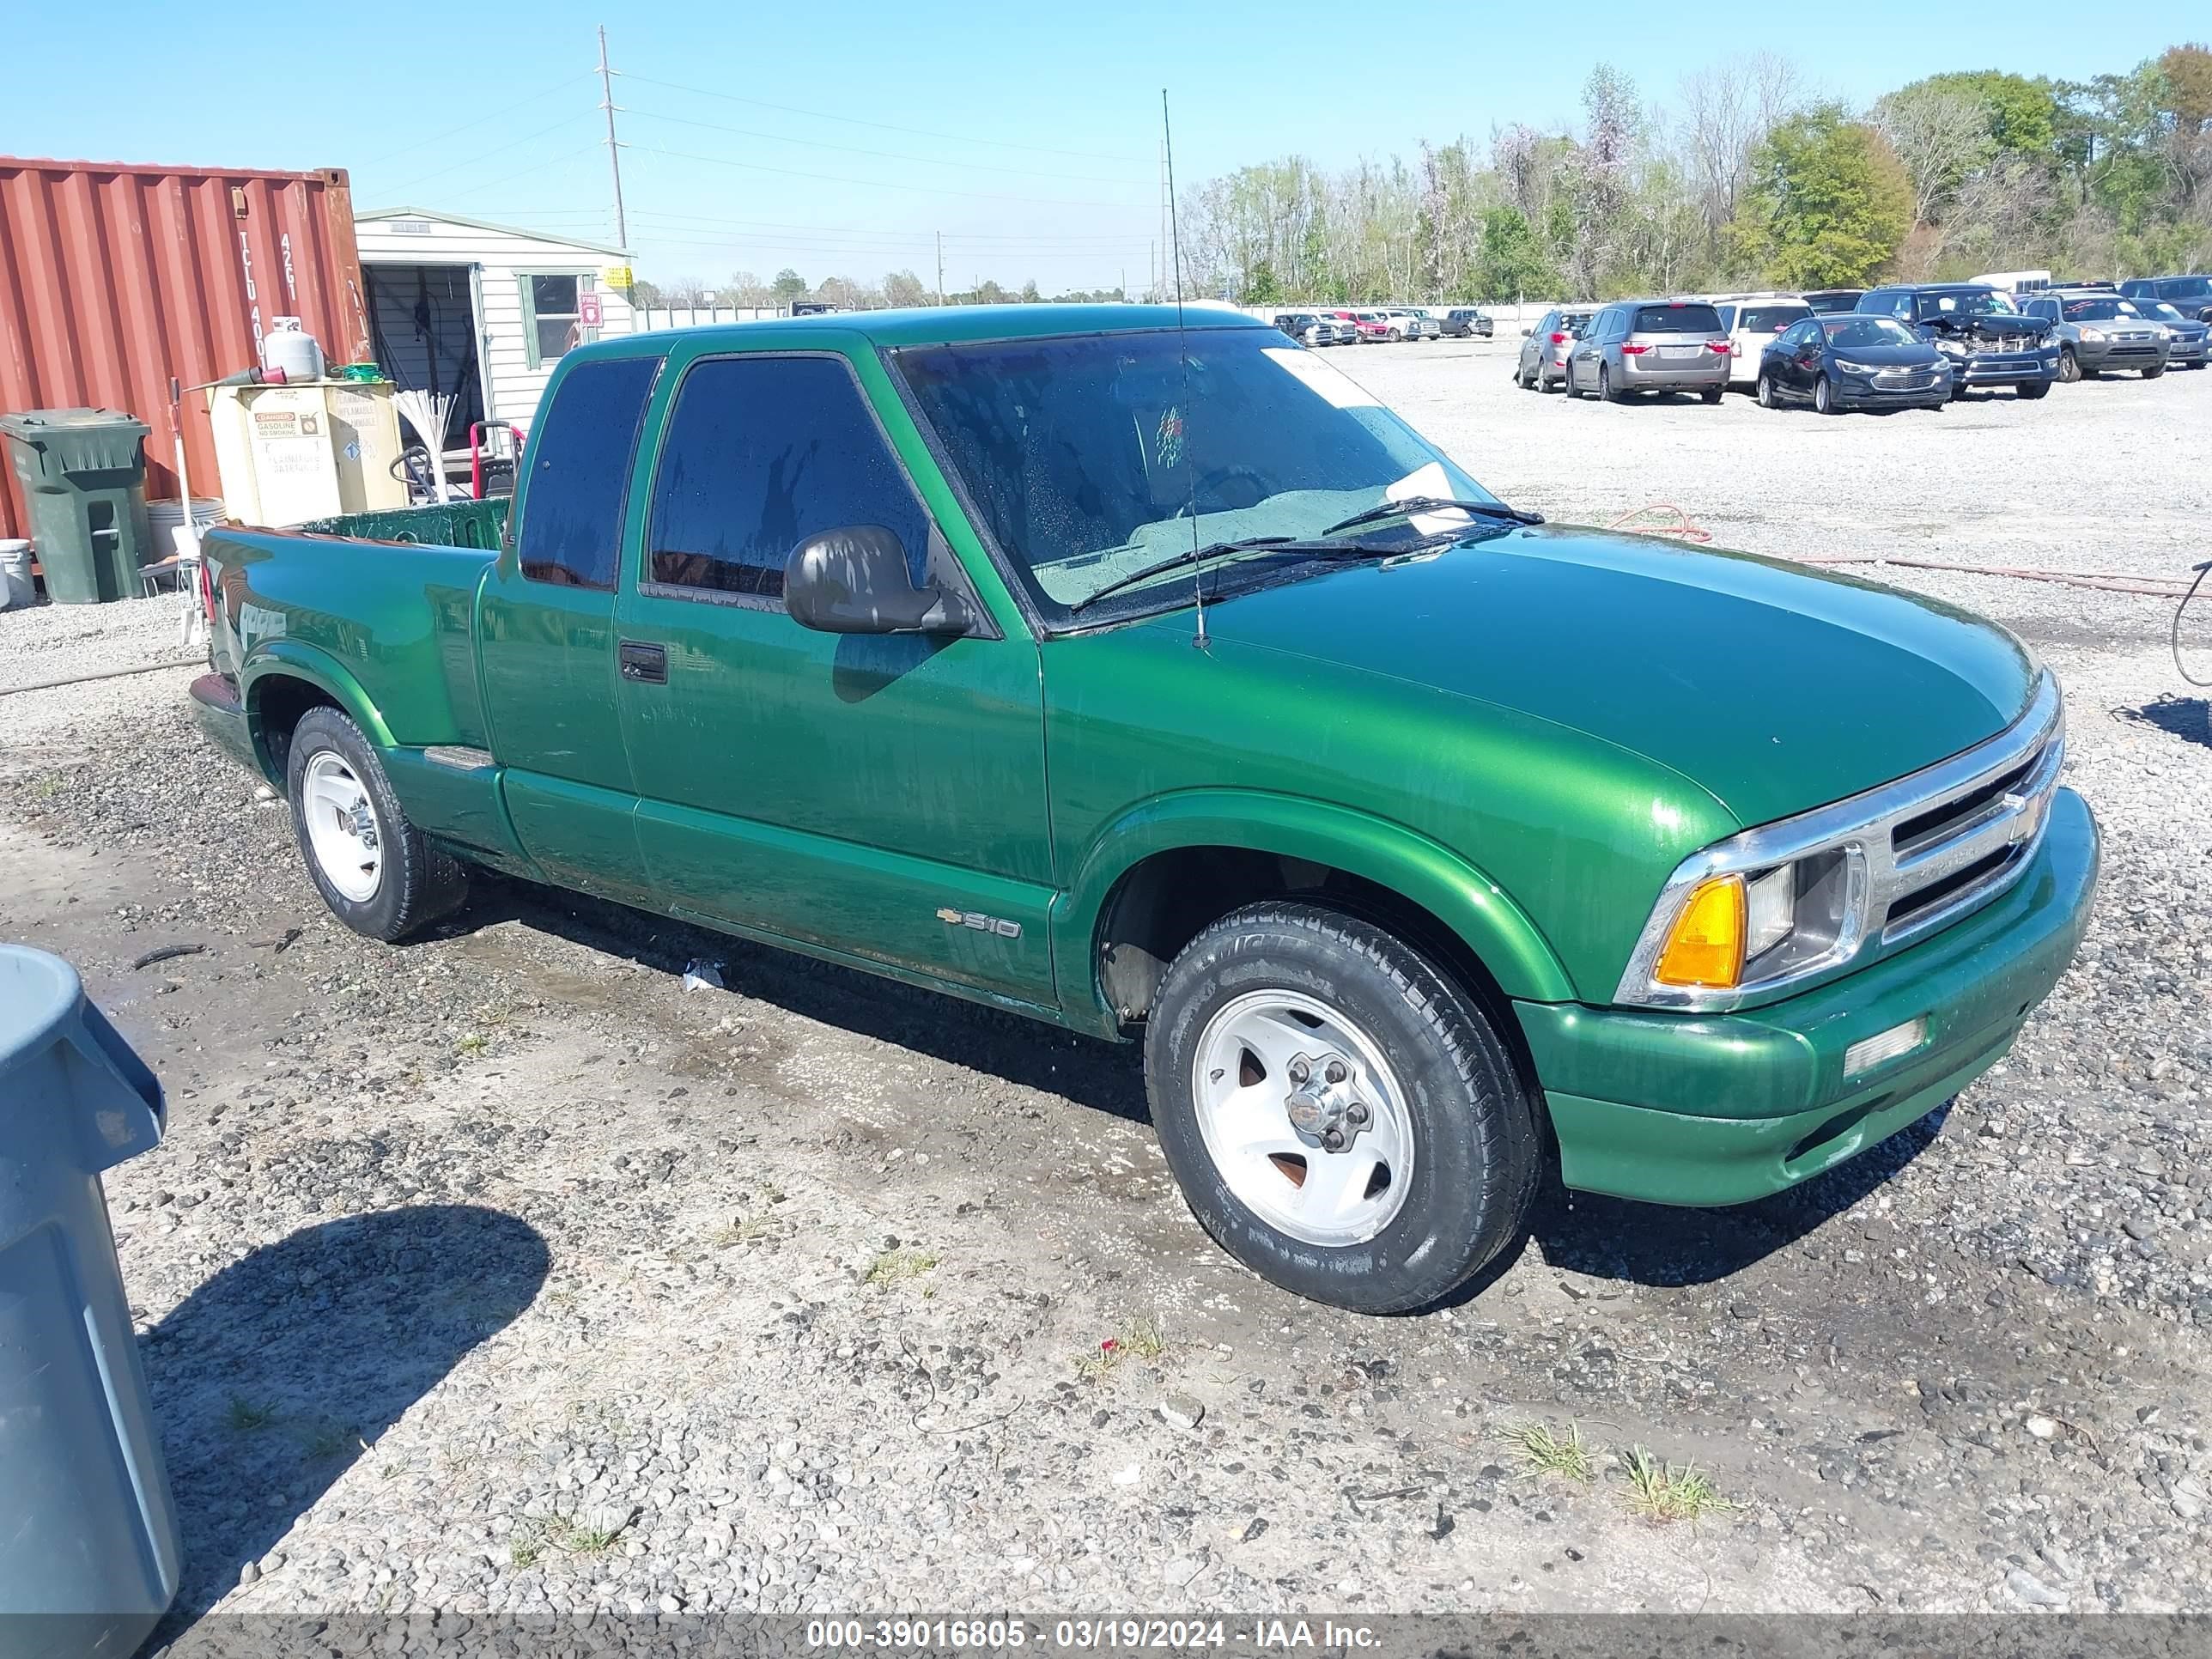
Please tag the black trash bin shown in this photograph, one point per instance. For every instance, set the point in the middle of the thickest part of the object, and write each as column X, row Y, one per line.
column 83, row 473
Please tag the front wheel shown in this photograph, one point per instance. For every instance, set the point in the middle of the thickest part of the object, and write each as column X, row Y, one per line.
column 1824, row 397
column 1766, row 392
column 2032, row 390
column 373, row 867
column 1341, row 1117
column 2151, row 372
column 2069, row 367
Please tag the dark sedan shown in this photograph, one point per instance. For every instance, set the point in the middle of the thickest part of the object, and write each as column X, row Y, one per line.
column 1853, row 361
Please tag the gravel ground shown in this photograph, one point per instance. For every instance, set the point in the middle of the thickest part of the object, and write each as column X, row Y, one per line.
column 503, row 1272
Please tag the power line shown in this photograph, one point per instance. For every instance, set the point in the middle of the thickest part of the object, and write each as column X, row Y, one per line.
column 537, row 167
column 878, row 184
column 880, row 126
column 654, row 218
column 481, row 155
column 564, row 82
column 855, row 149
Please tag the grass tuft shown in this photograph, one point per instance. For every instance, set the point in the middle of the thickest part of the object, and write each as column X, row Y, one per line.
column 1140, row 1339
column 1545, row 1452
column 896, row 1266
column 1662, row 1492
column 245, row 1415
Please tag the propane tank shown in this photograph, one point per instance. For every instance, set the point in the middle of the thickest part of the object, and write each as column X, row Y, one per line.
column 290, row 350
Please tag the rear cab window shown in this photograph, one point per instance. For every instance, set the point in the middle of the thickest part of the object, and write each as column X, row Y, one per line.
column 572, row 504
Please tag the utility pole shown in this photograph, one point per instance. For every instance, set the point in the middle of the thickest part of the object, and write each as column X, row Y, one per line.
column 614, row 150
column 940, row 267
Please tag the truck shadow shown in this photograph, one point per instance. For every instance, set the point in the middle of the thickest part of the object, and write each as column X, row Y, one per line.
column 1652, row 1244
column 273, row 1376
column 1103, row 1076
column 2188, row 719
column 1580, row 1233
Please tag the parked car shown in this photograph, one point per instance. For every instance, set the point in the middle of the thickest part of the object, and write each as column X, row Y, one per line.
column 1989, row 343
column 1765, row 868
column 2189, row 346
column 2099, row 330
column 1650, row 345
column 1409, row 323
column 1369, row 327
column 1825, row 300
column 1542, row 366
column 1313, row 330
column 2191, row 295
column 1752, row 321
column 1851, row 360
column 1461, row 321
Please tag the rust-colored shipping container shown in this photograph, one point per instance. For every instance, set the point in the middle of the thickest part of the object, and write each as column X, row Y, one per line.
column 114, row 278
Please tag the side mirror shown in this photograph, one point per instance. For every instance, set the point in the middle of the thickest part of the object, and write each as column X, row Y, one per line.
column 854, row 580
column 1526, row 332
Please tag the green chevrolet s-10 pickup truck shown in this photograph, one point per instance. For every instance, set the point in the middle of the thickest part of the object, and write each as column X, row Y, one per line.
column 1155, row 680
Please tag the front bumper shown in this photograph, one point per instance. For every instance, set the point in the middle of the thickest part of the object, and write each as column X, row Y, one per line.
column 1873, row 391
column 2116, row 356
column 2004, row 367
column 1691, row 1110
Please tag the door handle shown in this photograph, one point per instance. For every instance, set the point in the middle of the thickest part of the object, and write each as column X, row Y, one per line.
column 643, row 664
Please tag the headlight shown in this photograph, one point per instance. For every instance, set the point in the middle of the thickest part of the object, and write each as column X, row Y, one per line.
column 1772, row 908
column 2093, row 334
column 1951, row 347
column 1850, row 368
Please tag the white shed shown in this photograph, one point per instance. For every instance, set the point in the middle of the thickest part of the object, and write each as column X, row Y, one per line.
column 483, row 312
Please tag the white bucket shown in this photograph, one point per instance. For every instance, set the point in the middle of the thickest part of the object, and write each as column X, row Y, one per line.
column 17, row 591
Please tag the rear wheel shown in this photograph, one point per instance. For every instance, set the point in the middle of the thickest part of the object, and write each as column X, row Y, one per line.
column 374, row 869
column 1605, row 391
column 1341, row 1117
column 1712, row 394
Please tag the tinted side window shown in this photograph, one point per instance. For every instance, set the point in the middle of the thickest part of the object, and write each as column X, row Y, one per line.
column 760, row 453
column 580, row 462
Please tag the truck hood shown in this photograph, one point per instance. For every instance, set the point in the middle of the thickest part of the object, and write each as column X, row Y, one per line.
column 1775, row 688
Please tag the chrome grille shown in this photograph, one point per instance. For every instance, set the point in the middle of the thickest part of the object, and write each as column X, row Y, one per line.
column 1963, row 849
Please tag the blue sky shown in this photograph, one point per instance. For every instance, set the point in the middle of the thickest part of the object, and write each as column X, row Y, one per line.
column 1029, row 141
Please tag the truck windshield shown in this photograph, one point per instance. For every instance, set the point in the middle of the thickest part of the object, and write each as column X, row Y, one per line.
column 1087, row 454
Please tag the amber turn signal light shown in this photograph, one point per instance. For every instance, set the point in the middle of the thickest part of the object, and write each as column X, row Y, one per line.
column 1704, row 948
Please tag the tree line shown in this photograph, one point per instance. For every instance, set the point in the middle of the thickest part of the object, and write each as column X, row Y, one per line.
column 897, row 287
column 1747, row 178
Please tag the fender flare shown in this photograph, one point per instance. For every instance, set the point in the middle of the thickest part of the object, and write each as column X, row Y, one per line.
column 1421, row 870
column 299, row 660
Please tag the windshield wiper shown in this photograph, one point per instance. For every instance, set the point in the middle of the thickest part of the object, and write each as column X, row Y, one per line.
column 1318, row 546
column 1412, row 504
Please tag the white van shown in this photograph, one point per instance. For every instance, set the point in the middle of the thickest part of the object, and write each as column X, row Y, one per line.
column 1752, row 321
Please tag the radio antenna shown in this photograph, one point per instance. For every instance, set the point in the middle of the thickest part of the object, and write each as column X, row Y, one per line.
column 1183, row 346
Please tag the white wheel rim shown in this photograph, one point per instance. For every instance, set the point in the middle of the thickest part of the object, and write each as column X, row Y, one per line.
column 344, row 832
column 1249, row 1111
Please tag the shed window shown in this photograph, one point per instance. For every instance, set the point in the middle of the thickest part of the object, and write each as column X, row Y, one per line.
column 551, row 318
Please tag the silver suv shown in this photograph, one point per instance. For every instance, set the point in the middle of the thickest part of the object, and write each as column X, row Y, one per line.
column 2098, row 330
column 1651, row 345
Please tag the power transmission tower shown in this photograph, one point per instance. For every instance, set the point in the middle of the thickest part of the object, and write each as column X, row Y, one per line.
column 614, row 150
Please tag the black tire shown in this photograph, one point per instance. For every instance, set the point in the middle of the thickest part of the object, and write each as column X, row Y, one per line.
column 417, row 883
column 2032, row 390
column 1764, row 391
column 1712, row 395
column 1605, row 387
column 1824, row 396
column 1479, row 1148
column 2070, row 366
column 2153, row 371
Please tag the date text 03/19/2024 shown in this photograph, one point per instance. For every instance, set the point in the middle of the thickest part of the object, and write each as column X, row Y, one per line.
column 1091, row 1635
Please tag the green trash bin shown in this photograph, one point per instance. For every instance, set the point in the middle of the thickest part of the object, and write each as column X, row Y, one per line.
column 83, row 473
